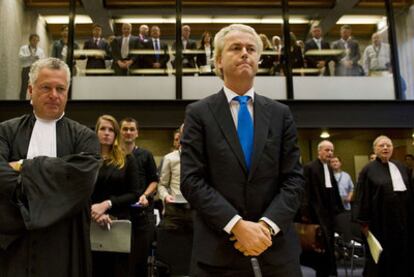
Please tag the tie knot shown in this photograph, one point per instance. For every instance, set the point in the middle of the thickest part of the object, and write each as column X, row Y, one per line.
column 242, row 99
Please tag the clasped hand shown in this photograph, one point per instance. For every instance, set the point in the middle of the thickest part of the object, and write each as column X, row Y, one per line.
column 251, row 238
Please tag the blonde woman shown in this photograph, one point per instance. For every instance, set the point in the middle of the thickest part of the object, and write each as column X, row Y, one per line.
column 115, row 190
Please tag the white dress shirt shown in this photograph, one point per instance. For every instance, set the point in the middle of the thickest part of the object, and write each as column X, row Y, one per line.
column 29, row 55
column 234, row 109
column 377, row 58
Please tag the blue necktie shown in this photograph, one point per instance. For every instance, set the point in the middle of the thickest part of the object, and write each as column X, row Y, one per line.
column 245, row 128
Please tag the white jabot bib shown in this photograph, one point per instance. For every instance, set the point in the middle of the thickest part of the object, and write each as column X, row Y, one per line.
column 328, row 183
column 396, row 178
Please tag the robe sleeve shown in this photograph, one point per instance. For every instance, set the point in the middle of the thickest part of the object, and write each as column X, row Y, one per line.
column 362, row 206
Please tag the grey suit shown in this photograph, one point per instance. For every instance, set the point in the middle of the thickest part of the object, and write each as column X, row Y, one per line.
column 353, row 55
column 217, row 184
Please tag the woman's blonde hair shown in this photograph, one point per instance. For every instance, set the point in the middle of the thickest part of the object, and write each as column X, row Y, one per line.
column 116, row 155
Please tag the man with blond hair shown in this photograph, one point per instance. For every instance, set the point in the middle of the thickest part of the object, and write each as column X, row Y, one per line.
column 240, row 169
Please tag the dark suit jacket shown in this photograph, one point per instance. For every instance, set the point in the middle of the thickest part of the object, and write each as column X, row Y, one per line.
column 354, row 56
column 191, row 45
column 312, row 61
column 321, row 205
column 217, row 184
column 93, row 62
column 202, row 58
column 149, row 60
column 116, row 46
column 57, row 48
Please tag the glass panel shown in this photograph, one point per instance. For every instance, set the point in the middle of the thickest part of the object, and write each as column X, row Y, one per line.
column 205, row 22
column 339, row 54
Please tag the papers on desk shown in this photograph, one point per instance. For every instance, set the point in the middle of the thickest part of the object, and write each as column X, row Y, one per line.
column 117, row 238
column 374, row 247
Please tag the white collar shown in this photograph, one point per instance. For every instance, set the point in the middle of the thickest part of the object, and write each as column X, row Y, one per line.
column 231, row 94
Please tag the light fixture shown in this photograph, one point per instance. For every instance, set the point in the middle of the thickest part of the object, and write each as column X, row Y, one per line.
column 64, row 19
column 325, row 134
column 360, row 19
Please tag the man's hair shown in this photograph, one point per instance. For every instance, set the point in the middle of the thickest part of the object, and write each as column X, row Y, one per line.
column 64, row 27
column 220, row 41
column 378, row 139
column 411, row 156
column 346, row 27
column 32, row 36
column 95, row 25
column 50, row 63
column 322, row 143
column 129, row 119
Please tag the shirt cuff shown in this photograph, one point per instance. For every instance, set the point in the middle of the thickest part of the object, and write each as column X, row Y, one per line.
column 272, row 225
column 229, row 226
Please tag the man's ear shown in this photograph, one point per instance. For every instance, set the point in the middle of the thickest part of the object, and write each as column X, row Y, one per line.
column 30, row 90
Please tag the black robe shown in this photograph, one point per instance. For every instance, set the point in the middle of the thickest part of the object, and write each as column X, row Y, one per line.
column 45, row 208
column 320, row 206
column 389, row 216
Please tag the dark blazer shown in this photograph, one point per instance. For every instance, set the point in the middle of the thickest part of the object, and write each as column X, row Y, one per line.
column 149, row 60
column 57, row 48
column 93, row 62
column 320, row 205
column 188, row 59
column 116, row 46
column 217, row 184
column 354, row 56
column 202, row 58
column 312, row 61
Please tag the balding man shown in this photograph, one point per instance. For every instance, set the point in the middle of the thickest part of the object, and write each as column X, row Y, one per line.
column 121, row 46
column 188, row 44
column 376, row 59
column 320, row 206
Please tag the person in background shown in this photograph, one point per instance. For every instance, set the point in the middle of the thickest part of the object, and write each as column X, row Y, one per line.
column 28, row 54
column 317, row 42
column 116, row 188
column 143, row 33
column 295, row 52
column 143, row 222
column 60, row 47
column 321, row 205
column 266, row 61
column 385, row 208
column 206, row 59
column 159, row 59
column 345, row 184
column 346, row 64
column 376, row 59
column 188, row 44
column 97, row 42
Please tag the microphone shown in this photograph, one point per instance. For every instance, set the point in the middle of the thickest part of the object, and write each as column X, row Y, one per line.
column 256, row 267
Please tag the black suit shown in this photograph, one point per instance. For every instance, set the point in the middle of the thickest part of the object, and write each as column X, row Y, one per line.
column 312, row 61
column 93, row 62
column 149, row 60
column 188, row 59
column 116, row 46
column 217, row 184
column 320, row 206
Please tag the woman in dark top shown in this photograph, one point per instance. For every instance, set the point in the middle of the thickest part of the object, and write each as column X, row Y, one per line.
column 266, row 61
column 115, row 190
column 295, row 54
column 205, row 60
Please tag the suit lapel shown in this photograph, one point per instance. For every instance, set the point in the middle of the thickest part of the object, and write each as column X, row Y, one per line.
column 261, row 130
column 221, row 112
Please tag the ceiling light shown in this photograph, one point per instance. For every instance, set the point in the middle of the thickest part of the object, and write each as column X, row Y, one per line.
column 325, row 134
column 360, row 19
column 64, row 19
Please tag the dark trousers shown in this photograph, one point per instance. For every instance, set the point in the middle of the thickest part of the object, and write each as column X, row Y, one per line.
column 243, row 268
column 177, row 216
column 143, row 230
column 25, row 82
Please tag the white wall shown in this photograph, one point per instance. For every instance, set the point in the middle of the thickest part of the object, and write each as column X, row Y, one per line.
column 16, row 25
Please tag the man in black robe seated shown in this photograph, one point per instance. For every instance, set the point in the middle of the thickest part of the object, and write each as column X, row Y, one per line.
column 48, row 167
